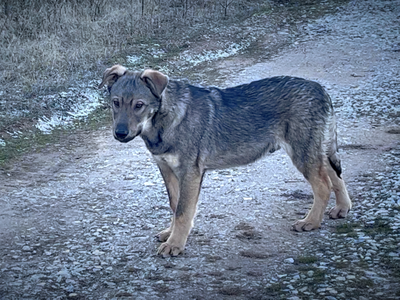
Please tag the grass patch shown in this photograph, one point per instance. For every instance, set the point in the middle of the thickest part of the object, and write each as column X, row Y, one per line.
column 231, row 291
column 319, row 275
column 252, row 254
column 306, row 259
column 379, row 226
column 35, row 140
column 361, row 284
column 340, row 265
column 352, row 234
column 50, row 43
column 31, row 141
column 347, row 228
column 274, row 289
column 393, row 265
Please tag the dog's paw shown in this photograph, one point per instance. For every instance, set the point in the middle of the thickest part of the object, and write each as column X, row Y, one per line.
column 163, row 235
column 305, row 225
column 166, row 250
column 338, row 212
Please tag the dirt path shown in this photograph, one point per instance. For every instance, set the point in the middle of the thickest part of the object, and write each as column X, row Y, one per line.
column 78, row 219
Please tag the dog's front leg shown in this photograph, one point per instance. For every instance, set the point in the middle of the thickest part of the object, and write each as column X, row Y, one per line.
column 189, row 189
column 172, row 185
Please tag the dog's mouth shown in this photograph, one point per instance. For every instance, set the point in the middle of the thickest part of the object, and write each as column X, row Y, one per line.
column 126, row 139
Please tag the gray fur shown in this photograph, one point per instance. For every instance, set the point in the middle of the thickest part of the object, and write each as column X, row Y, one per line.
column 191, row 129
column 220, row 128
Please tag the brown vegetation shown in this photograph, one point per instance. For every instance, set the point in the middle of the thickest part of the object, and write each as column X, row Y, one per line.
column 42, row 40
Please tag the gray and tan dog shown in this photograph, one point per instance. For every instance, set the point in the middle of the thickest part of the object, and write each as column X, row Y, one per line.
column 190, row 130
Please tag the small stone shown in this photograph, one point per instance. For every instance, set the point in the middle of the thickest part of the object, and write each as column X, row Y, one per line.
column 289, row 260
column 110, row 284
column 71, row 295
column 26, row 248
column 70, row 288
column 332, row 291
column 340, row 278
column 63, row 273
column 97, row 252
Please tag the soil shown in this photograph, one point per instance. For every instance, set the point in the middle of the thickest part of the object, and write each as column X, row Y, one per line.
column 79, row 217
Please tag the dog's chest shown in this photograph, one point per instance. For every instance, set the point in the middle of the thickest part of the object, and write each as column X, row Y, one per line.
column 172, row 160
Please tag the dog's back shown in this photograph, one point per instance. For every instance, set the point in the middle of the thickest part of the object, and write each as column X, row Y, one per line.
column 240, row 124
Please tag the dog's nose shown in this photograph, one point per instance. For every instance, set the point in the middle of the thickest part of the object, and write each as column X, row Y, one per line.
column 121, row 131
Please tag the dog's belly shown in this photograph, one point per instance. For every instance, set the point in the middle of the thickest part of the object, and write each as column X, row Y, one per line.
column 239, row 157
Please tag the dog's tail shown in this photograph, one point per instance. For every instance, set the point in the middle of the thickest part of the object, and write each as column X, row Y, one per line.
column 332, row 145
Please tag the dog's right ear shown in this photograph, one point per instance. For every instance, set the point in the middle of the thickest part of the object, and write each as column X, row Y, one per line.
column 111, row 75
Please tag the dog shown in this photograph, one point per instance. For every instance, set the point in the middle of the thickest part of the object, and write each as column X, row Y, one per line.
column 190, row 130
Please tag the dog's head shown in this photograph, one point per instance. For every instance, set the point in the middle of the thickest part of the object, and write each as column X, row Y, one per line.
column 136, row 98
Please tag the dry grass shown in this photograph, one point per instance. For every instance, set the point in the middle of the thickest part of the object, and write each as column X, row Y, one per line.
column 48, row 40
column 49, row 46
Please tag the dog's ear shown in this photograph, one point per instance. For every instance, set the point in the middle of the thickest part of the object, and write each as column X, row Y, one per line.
column 111, row 75
column 155, row 81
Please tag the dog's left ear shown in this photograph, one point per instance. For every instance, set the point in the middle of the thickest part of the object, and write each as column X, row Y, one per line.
column 111, row 75
column 155, row 81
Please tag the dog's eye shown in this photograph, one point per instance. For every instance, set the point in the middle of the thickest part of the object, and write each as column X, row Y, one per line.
column 116, row 103
column 139, row 104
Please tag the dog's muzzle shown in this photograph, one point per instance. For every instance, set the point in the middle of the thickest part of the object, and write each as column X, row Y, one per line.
column 121, row 132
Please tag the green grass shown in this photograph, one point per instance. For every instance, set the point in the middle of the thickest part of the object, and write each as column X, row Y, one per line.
column 361, row 284
column 306, row 259
column 274, row 289
column 34, row 141
column 347, row 228
column 379, row 226
column 319, row 275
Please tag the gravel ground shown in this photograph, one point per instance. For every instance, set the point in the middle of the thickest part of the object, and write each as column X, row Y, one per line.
column 78, row 220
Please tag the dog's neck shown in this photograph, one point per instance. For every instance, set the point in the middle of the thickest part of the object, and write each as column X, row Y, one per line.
column 169, row 115
column 153, row 136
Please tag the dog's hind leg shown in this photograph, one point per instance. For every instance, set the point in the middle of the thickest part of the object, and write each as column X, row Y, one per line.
column 311, row 165
column 321, row 186
column 189, row 190
column 172, row 185
column 343, row 202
